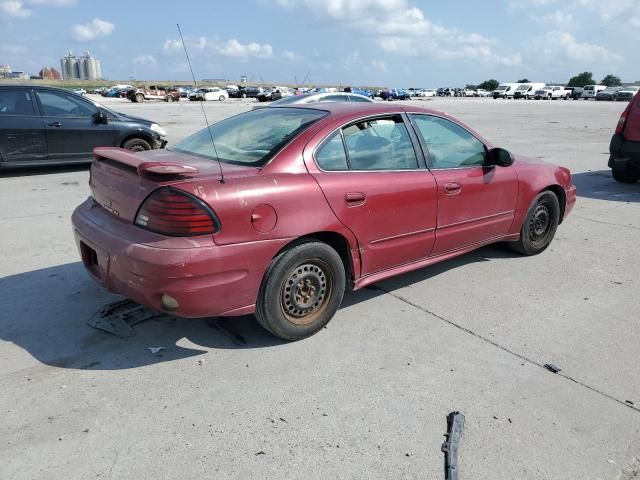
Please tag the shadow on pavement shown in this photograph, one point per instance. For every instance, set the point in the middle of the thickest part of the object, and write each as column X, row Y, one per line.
column 43, row 170
column 45, row 312
column 602, row 186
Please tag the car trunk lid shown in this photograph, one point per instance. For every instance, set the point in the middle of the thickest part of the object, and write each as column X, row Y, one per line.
column 121, row 180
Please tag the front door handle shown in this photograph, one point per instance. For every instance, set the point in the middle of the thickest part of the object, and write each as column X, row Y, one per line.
column 55, row 124
column 354, row 199
column 452, row 188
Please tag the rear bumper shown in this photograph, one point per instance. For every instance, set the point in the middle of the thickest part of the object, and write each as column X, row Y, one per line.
column 570, row 194
column 623, row 153
column 205, row 280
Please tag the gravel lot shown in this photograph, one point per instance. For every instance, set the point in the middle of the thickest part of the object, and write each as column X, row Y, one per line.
column 367, row 398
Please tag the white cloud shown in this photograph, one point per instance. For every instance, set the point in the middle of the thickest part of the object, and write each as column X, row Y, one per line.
column 22, row 8
column 379, row 65
column 563, row 45
column 290, row 56
column 559, row 19
column 242, row 51
column 232, row 48
column 402, row 29
column 96, row 28
column 14, row 8
column 146, row 60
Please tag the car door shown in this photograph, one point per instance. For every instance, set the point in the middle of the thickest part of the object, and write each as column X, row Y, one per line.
column 71, row 127
column 22, row 136
column 476, row 203
column 371, row 176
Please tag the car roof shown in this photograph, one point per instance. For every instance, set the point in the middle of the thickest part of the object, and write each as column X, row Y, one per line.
column 362, row 109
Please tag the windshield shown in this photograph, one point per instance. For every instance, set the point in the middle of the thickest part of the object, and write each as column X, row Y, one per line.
column 502, row 87
column 523, row 88
column 251, row 138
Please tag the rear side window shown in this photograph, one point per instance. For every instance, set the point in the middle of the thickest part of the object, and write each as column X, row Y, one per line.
column 331, row 155
column 380, row 144
column 16, row 102
column 449, row 145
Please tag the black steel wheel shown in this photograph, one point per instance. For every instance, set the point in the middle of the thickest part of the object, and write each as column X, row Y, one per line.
column 301, row 291
column 540, row 224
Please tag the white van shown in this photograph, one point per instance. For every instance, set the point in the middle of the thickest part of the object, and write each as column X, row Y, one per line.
column 527, row 90
column 505, row 90
column 590, row 91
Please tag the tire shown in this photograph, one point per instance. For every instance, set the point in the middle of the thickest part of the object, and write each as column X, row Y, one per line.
column 315, row 272
column 539, row 226
column 221, row 98
column 136, row 145
column 625, row 174
column 139, row 98
column 169, row 98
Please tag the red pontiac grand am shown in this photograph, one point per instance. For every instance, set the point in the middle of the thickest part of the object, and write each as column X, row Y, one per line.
column 276, row 211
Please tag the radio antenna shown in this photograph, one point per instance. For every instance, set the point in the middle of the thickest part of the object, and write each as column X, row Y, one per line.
column 195, row 85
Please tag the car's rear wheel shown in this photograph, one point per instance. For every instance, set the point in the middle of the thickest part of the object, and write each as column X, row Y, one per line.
column 136, row 145
column 169, row 98
column 139, row 98
column 540, row 224
column 301, row 291
column 625, row 174
column 221, row 98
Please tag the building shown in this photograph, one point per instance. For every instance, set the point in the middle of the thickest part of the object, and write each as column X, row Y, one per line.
column 80, row 68
column 50, row 74
column 5, row 70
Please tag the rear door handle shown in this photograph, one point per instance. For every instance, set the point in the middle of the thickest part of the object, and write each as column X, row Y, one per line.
column 354, row 199
column 452, row 188
column 55, row 124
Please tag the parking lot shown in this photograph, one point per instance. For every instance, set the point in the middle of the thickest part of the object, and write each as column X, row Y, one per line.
column 367, row 397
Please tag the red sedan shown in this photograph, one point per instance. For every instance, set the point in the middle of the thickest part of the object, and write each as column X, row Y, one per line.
column 276, row 211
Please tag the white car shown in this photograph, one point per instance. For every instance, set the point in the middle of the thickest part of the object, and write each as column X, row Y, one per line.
column 467, row 92
column 590, row 91
column 481, row 92
column 211, row 93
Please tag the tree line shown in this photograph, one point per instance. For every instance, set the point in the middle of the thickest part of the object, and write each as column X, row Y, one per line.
column 580, row 80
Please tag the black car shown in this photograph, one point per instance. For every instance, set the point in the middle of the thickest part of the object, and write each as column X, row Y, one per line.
column 576, row 92
column 248, row 92
column 47, row 125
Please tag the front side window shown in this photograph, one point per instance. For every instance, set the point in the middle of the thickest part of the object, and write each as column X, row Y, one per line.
column 16, row 102
column 56, row 104
column 251, row 138
column 449, row 145
column 380, row 144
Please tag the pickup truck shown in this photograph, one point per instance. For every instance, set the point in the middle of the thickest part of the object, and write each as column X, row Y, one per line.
column 153, row 92
column 552, row 92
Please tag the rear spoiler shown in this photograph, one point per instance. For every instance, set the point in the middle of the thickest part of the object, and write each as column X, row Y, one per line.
column 131, row 159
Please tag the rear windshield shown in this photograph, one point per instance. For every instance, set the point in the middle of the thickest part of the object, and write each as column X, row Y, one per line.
column 251, row 138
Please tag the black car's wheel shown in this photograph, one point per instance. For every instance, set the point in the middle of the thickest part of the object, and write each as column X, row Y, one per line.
column 243, row 95
column 136, row 145
column 139, row 98
column 539, row 226
column 301, row 291
column 169, row 98
column 625, row 174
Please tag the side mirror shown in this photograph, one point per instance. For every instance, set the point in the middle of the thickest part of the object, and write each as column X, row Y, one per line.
column 100, row 117
column 499, row 157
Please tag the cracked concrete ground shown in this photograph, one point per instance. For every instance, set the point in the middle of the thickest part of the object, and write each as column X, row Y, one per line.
column 366, row 398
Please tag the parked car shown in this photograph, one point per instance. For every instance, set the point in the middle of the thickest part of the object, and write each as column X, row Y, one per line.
column 265, row 95
column 249, row 92
column 607, row 94
column 590, row 91
column 480, row 92
column 425, row 93
column 360, row 91
column 209, row 93
column 552, row 92
column 527, row 90
column 624, row 148
column 153, row 92
column 505, row 90
column 395, row 94
column 467, row 92
column 98, row 90
column 311, row 98
column 79, row 91
column 576, row 92
column 626, row 93
column 47, row 125
column 280, row 92
column 342, row 175
column 184, row 90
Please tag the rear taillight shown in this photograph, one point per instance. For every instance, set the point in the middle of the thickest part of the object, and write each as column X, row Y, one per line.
column 176, row 213
column 623, row 119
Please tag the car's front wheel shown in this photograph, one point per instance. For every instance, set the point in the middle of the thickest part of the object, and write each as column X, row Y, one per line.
column 625, row 174
column 540, row 224
column 136, row 145
column 301, row 291
column 221, row 98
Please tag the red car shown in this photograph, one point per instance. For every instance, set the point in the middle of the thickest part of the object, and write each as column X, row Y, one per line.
column 276, row 211
column 625, row 144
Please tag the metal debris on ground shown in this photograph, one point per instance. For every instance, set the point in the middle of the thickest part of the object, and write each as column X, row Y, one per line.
column 551, row 367
column 155, row 349
column 455, row 427
column 118, row 318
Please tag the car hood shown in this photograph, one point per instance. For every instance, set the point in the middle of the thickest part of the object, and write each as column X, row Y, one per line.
column 132, row 118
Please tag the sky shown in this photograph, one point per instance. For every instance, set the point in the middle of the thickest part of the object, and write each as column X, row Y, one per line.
column 394, row 43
